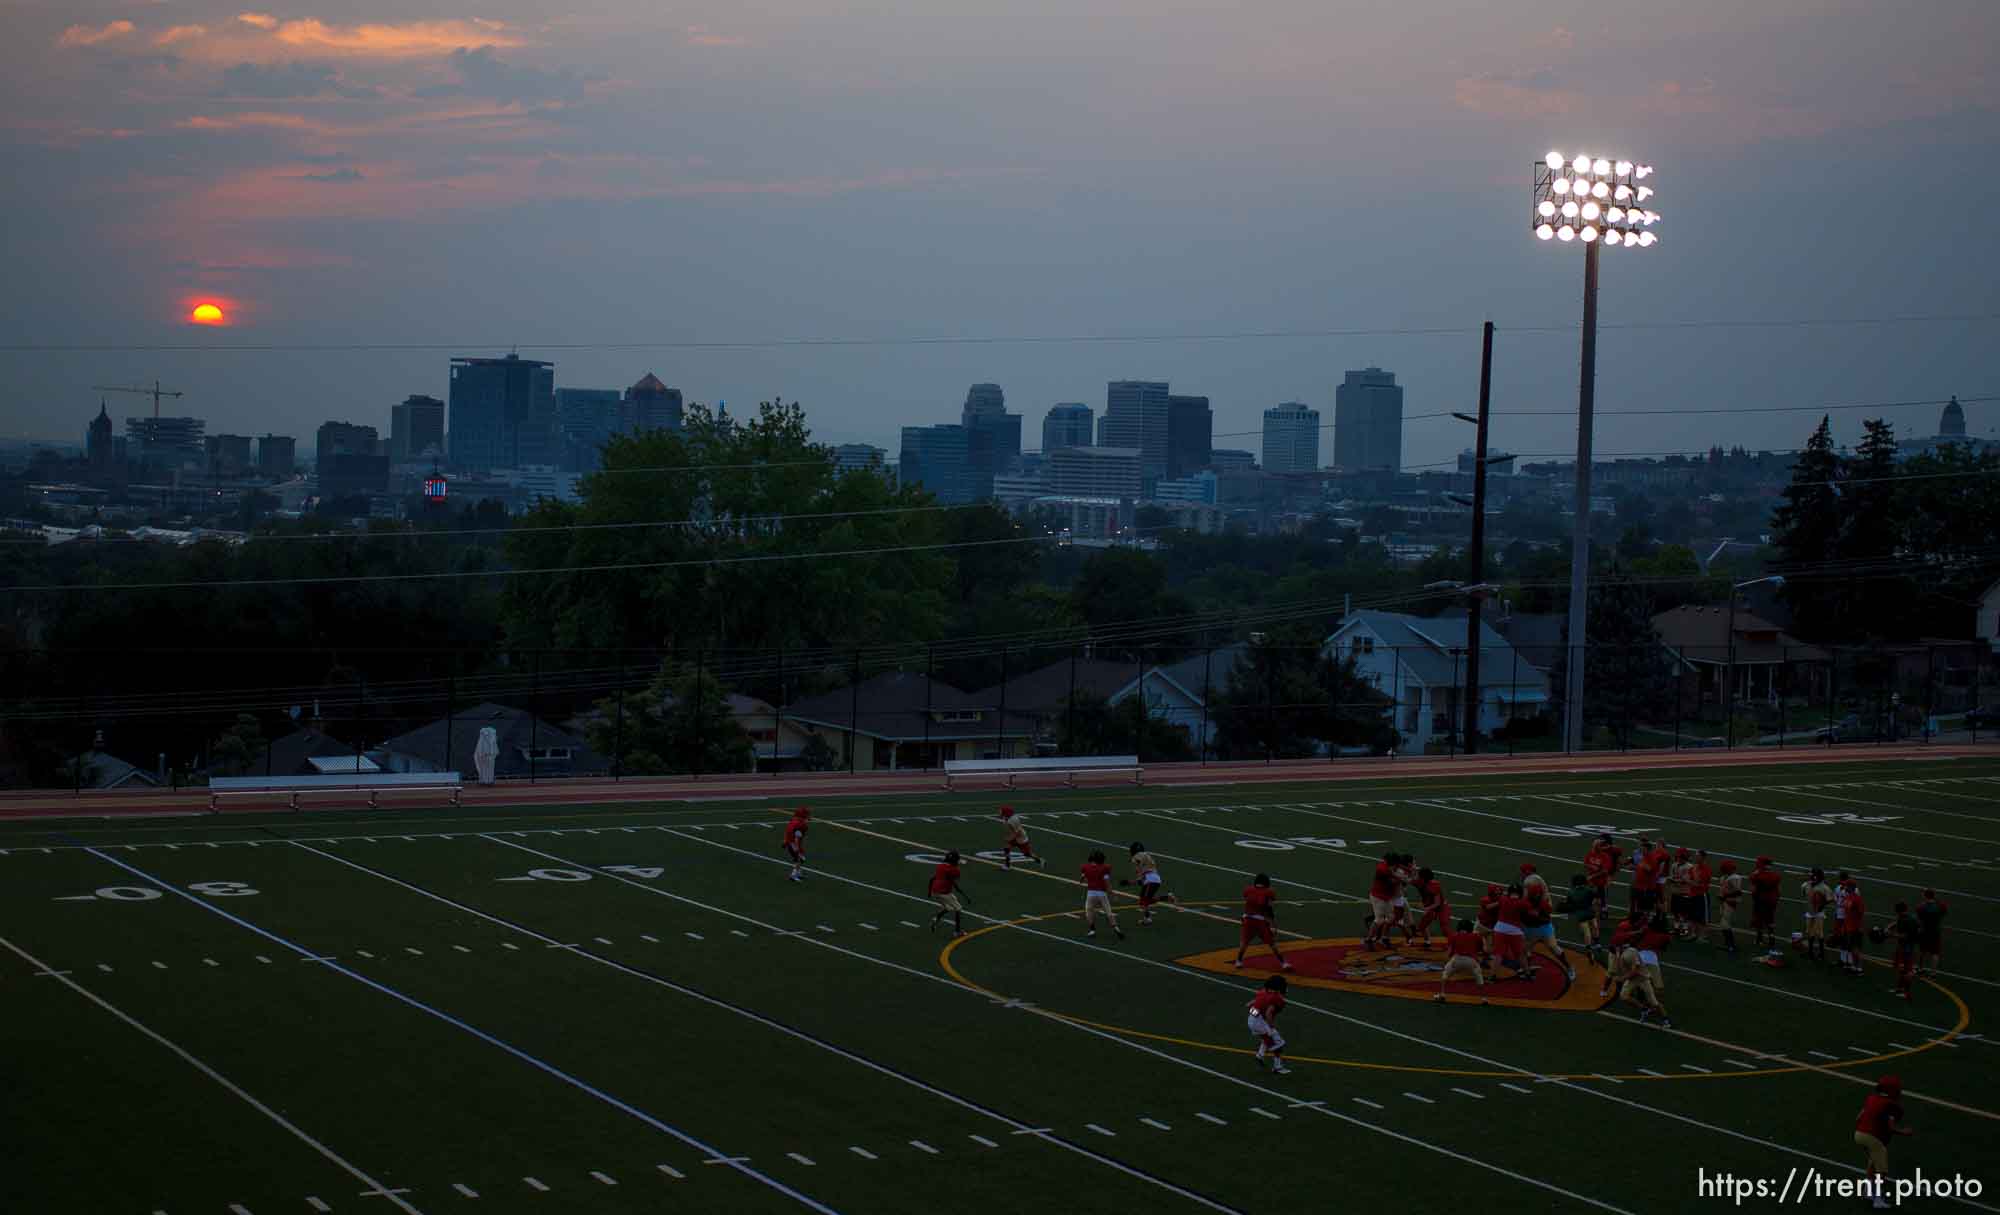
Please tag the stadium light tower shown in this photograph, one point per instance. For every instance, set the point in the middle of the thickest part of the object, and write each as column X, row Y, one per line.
column 1601, row 203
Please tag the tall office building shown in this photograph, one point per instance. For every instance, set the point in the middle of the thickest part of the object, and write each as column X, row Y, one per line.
column 992, row 438
column 1096, row 472
column 860, row 457
column 1226, row 459
column 1291, row 439
column 99, row 446
column 588, row 417
column 503, row 413
column 1069, row 424
column 934, row 457
column 227, row 455
column 1368, row 421
column 277, row 457
column 349, row 460
column 1190, row 434
column 416, row 430
column 651, row 405
column 1136, row 415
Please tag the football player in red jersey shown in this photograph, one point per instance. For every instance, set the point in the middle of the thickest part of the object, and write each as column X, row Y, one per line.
column 1436, row 909
column 1600, row 866
column 1853, row 924
column 1510, row 941
column 1880, row 1122
column 1013, row 835
column 1765, row 881
column 1260, row 918
column 795, row 840
column 1264, row 1009
column 1382, row 890
column 945, row 892
column 1489, row 915
column 1096, row 876
column 1467, row 954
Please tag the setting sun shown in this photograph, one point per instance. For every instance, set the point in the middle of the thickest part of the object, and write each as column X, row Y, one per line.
column 207, row 314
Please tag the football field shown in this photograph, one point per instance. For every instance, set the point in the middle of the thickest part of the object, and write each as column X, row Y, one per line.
column 629, row 1007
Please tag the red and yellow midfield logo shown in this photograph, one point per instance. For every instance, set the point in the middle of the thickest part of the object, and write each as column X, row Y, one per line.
column 1413, row 973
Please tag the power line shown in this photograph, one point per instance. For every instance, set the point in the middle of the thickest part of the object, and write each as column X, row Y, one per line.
column 1570, row 413
column 963, row 340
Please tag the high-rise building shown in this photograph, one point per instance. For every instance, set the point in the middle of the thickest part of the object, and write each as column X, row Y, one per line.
column 1136, row 415
column 934, row 458
column 1096, row 472
column 1067, row 425
column 277, row 457
column 100, row 449
column 1368, row 421
column 227, row 455
column 1224, row 459
column 1196, row 487
column 861, row 457
column 588, row 417
column 350, row 459
column 416, row 430
column 1190, row 434
column 992, row 438
column 503, row 413
column 650, row 405
column 1291, row 439
column 166, row 443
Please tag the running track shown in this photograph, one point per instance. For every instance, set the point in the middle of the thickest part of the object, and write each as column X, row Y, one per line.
column 36, row 804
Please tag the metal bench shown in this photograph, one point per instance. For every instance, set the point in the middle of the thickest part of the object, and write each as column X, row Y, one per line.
column 373, row 783
column 1068, row 765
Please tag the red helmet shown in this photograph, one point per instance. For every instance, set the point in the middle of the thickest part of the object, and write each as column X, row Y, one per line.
column 1763, row 860
column 1680, row 854
column 1006, row 812
column 805, row 812
column 1527, row 867
column 1729, row 866
column 1492, row 889
column 1892, row 1085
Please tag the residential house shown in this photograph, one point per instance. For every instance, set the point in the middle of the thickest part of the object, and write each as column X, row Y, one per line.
column 1418, row 662
column 1045, row 693
column 530, row 748
column 903, row 719
column 1537, row 637
column 1768, row 662
column 1987, row 624
column 97, row 770
column 309, row 752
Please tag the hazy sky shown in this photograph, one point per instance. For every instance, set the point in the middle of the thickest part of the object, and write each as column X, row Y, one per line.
column 628, row 171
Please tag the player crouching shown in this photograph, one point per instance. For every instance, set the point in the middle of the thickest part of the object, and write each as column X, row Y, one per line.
column 1012, row 836
column 1635, row 986
column 1152, row 887
column 1466, row 957
column 1264, row 1009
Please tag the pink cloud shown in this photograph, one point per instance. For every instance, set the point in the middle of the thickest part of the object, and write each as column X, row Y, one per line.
column 87, row 35
column 701, row 35
column 263, row 21
column 178, row 33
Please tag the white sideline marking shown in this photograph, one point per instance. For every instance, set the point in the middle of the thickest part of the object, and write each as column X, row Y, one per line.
column 1370, row 1104
column 335, row 1158
column 510, row 945
column 1602, row 1076
column 261, row 958
column 727, row 1160
column 1739, row 1063
column 464, row 1189
column 461, row 949
column 673, row 1172
column 982, row 1141
column 1693, row 1068
column 805, row 1160
column 1859, row 1051
column 1650, row 1072
column 602, row 1178
column 211, row 962
column 316, row 1204
column 1419, row 1097
column 1158, row 1126
column 364, row 953
column 602, row 940
column 695, row 936
column 824, row 927
column 413, row 951
column 1210, row 1118
column 536, row 1186
column 870, row 927
column 1517, row 1088
column 1822, row 1054
column 1469, row 1093
column 159, row 966
column 1900, row 1046
column 106, row 969
column 1092, row 1126
column 921, row 1146
column 738, row 932
column 647, row 936
column 1266, row 1113
column 237, row 1208
column 864, row 1153
column 911, row 924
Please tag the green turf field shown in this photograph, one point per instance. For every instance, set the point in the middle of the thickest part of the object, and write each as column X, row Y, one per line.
column 629, row 1008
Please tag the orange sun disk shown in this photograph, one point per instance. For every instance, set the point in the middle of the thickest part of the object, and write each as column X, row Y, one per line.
column 207, row 314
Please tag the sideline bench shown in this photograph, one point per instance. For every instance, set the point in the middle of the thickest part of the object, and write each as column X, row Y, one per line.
column 1068, row 765
column 373, row 783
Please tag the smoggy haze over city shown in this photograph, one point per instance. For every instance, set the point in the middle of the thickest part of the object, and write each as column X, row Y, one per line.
column 625, row 172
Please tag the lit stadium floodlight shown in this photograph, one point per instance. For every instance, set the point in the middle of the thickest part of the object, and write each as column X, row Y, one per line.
column 1597, row 201
column 1598, row 191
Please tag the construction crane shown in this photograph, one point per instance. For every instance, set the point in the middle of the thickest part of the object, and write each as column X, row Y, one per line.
column 155, row 392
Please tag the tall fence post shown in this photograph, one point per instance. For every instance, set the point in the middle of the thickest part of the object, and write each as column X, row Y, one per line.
column 1207, row 666
column 1513, row 690
column 618, row 727
column 778, row 725
column 1069, row 709
column 1145, row 712
column 534, row 721
column 853, row 711
column 930, row 680
column 1451, row 733
column 451, row 708
column 1000, row 718
column 700, row 716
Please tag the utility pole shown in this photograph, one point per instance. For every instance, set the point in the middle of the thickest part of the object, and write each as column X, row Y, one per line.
column 1478, row 576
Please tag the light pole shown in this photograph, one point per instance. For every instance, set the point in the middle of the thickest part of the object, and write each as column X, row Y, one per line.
column 1600, row 203
column 1729, row 705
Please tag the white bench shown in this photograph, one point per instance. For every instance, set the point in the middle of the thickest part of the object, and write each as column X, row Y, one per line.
column 1068, row 765
column 374, row 783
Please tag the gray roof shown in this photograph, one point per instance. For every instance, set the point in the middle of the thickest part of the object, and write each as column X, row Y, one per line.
column 1205, row 669
column 891, row 706
column 515, row 728
column 1538, row 636
column 110, row 772
column 1048, row 688
column 1424, row 644
column 292, row 754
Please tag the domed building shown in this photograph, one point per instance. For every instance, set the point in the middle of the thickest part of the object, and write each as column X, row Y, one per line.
column 1950, row 431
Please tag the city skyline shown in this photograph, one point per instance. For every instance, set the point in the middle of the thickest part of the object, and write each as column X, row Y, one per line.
column 330, row 181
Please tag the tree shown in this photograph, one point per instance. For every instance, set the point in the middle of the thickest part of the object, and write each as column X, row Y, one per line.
column 1091, row 726
column 1629, row 675
column 1806, row 530
column 1121, row 587
column 1286, row 698
column 1870, row 595
column 232, row 753
column 680, row 722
